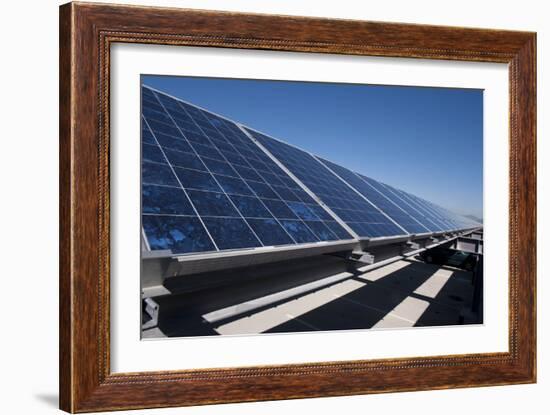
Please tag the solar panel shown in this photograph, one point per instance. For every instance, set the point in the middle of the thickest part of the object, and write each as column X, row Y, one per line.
column 418, row 205
column 361, row 216
column 379, row 199
column 459, row 222
column 411, row 211
column 211, row 185
column 440, row 214
column 208, row 187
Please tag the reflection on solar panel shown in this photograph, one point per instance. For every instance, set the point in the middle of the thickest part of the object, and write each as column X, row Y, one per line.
column 393, row 210
column 416, row 204
column 210, row 185
column 359, row 214
column 416, row 215
column 403, row 204
column 446, row 220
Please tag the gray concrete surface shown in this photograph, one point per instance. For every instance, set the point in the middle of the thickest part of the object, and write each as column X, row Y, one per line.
column 406, row 293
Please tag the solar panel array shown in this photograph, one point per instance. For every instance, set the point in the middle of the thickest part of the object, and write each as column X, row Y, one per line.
column 359, row 214
column 398, row 201
column 421, row 207
column 208, row 186
column 393, row 210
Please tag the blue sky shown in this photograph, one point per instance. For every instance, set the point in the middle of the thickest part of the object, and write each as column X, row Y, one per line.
column 428, row 141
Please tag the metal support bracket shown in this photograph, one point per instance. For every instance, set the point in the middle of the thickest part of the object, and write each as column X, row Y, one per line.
column 408, row 247
column 362, row 256
column 152, row 309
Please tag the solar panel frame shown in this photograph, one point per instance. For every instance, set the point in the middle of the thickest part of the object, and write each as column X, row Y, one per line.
column 458, row 220
column 438, row 213
column 180, row 187
column 193, row 147
column 210, row 132
column 246, row 164
column 448, row 219
column 376, row 198
column 261, row 167
column 426, row 218
column 397, row 200
column 333, row 204
column 444, row 225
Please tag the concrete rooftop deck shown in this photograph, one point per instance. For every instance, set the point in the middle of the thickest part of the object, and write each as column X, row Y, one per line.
column 406, row 293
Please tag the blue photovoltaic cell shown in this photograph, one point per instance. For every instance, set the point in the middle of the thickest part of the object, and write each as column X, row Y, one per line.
column 429, row 216
column 445, row 220
column 411, row 211
column 146, row 136
column 225, row 230
column 179, row 234
column 336, row 229
column 212, row 204
column 152, row 153
column 250, row 206
column 156, row 173
column 355, row 211
column 229, row 188
column 179, row 158
column 299, row 231
column 457, row 221
column 394, row 211
column 234, row 186
column 279, row 209
column 270, row 232
column 321, row 230
column 194, row 179
column 173, row 145
column 167, row 200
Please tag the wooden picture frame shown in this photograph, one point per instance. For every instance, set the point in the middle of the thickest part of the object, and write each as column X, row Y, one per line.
column 87, row 32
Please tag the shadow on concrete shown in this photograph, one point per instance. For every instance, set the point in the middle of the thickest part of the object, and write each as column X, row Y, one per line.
column 362, row 308
column 181, row 315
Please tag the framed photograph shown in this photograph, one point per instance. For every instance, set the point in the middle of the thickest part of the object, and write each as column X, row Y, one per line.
column 259, row 207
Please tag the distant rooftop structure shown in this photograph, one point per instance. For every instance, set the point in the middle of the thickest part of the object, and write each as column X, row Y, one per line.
column 213, row 186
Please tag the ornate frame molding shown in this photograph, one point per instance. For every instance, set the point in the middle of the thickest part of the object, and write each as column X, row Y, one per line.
column 86, row 33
